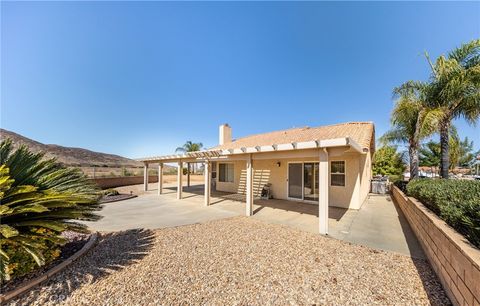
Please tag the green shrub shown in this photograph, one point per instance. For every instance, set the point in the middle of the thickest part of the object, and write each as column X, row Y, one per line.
column 110, row 192
column 457, row 202
column 39, row 199
column 402, row 185
column 21, row 262
column 387, row 161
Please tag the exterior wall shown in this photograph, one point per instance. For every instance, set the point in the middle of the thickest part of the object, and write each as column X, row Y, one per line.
column 347, row 196
column 239, row 167
column 112, row 182
column 456, row 262
column 266, row 170
column 365, row 176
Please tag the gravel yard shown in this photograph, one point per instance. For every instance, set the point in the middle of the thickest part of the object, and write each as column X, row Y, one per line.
column 237, row 261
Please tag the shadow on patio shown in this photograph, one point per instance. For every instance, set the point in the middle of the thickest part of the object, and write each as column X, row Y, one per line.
column 260, row 204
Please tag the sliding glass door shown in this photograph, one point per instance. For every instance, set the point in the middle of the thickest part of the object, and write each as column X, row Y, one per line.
column 310, row 181
column 295, row 175
column 303, row 181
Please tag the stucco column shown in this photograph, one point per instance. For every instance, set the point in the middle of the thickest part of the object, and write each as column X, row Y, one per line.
column 323, row 192
column 188, row 174
column 179, row 180
column 145, row 177
column 208, row 183
column 249, row 186
column 160, row 178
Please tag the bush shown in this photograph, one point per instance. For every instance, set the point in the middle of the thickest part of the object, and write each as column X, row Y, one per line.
column 110, row 192
column 40, row 199
column 402, row 185
column 387, row 161
column 21, row 262
column 457, row 202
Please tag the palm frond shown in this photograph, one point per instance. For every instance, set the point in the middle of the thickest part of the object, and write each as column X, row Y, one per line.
column 40, row 199
column 467, row 54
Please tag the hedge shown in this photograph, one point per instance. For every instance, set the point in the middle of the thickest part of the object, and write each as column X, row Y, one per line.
column 457, row 202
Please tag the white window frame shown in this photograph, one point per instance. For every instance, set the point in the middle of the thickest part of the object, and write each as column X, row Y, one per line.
column 226, row 174
column 344, row 173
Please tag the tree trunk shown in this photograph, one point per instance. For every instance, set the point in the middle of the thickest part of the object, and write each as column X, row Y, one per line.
column 444, row 148
column 413, row 154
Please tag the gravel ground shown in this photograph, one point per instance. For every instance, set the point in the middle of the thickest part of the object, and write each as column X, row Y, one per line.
column 237, row 261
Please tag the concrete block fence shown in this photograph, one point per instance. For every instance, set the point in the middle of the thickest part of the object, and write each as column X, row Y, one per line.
column 112, row 182
column 454, row 259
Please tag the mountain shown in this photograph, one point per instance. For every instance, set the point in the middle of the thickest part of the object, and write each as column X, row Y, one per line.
column 77, row 157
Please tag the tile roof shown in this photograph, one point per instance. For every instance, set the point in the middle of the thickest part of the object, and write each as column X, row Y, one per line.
column 361, row 132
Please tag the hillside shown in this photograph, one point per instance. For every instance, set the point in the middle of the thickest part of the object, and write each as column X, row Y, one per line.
column 77, row 157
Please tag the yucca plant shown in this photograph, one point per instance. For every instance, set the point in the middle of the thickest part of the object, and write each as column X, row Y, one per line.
column 39, row 199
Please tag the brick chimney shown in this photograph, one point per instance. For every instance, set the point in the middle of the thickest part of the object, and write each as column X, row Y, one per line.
column 225, row 134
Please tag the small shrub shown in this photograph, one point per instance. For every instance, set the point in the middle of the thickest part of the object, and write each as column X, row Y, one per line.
column 457, row 202
column 402, row 185
column 21, row 262
column 110, row 192
column 40, row 199
column 395, row 178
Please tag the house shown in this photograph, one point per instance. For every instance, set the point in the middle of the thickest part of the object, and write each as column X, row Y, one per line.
column 325, row 166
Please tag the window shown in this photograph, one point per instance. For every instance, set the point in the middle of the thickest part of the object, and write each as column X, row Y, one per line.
column 226, row 173
column 337, row 173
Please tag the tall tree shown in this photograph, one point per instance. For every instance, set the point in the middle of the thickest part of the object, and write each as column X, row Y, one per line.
column 387, row 161
column 189, row 146
column 412, row 119
column 455, row 84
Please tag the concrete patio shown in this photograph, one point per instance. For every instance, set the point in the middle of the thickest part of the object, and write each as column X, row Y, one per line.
column 378, row 224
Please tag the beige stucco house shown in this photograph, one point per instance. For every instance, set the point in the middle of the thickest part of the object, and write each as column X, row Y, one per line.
column 324, row 166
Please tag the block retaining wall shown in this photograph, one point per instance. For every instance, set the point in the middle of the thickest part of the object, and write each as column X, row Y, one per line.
column 455, row 261
column 112, row 182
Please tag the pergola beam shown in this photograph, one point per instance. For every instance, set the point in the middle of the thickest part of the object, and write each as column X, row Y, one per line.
column 200, row 156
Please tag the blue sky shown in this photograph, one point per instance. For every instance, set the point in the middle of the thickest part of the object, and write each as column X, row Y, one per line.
column 139, row 79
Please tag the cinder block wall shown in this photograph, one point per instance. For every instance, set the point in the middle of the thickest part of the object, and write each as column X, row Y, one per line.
column 112, row 182
column 454, row 259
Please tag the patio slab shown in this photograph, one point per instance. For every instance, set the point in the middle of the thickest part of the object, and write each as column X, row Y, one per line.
column 378, row 224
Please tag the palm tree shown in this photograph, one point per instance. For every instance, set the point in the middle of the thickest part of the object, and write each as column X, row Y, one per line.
column 455, row 84
column 39, row 200
column 189, row 146
column 411, row 119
